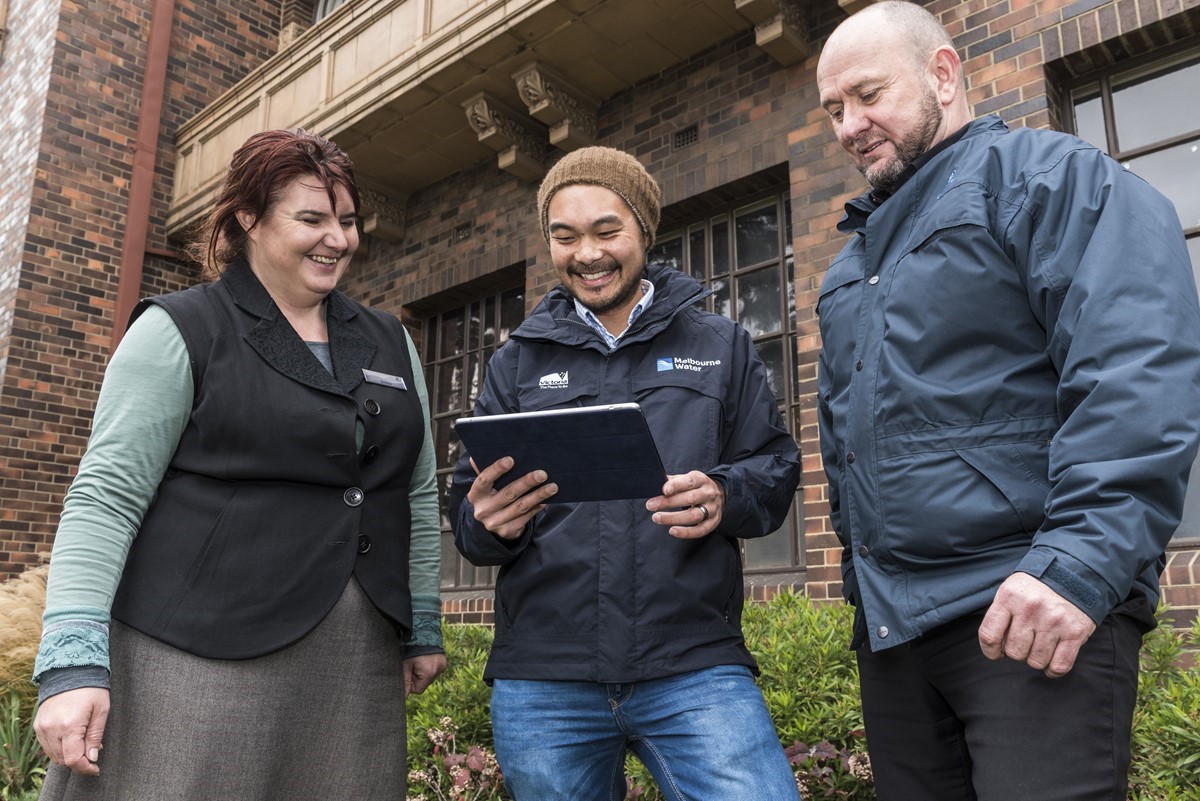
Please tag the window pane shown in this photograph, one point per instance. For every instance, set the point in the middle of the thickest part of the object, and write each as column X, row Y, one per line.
column 473, row 325
column 448, row 449
column 757, row 236
column 760, row 310
column 512, row 311
column 1151, row 108
column 1173, row 172
column 791, row 292
column 720, row 287
column 444, row 481
column 428, row 341
column 720, row 246
column 474, row 379
column 449, row 558
column 771, row 352
column 489, row 322
column 325, row 8
column 452, row 333
column 697, row 257
column 449, row 387
column 666, row 253
column 774, row 550
column 1089, row 117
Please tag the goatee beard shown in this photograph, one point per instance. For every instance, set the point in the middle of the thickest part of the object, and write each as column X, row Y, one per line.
column 910, row 148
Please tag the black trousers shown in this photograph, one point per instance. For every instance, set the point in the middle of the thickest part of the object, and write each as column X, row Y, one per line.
column 945, row 723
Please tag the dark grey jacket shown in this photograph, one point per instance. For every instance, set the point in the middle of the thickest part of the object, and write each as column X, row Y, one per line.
column 596, row 591
column 1009, row 381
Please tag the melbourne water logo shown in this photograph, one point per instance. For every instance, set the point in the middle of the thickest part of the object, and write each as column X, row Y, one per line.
column 665, row 363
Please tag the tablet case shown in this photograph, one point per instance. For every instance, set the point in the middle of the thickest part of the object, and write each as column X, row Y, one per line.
column 593, row 453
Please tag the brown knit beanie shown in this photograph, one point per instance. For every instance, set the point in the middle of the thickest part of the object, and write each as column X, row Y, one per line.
column 612, row 169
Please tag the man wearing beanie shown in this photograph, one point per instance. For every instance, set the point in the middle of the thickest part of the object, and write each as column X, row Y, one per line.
column 618, row 623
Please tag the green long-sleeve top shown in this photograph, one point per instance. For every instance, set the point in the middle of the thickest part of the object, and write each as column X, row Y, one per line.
column 144, row 404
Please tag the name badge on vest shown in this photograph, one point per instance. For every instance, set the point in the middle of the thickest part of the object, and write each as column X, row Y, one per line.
column 383, row 379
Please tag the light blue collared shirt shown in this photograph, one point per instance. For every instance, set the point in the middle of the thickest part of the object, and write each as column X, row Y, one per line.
column 594, row 322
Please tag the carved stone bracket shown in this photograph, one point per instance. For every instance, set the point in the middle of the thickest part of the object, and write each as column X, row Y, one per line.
column 569, row 112
column 520, row 142
column 780, row 28
column 383, row 216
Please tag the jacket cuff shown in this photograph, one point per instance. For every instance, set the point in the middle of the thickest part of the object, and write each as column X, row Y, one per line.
column 739, row 508
column 1071, row 579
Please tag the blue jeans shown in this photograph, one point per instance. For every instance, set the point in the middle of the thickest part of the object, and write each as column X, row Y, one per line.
column 704, row 736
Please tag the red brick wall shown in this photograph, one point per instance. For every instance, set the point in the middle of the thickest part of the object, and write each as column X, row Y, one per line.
column 24, row 77
column 751, row 114
column 62, row 311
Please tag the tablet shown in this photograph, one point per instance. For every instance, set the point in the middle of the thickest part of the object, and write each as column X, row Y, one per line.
column 593, row 453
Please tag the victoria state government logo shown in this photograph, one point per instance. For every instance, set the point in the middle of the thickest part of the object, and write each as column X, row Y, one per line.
column 553, row 381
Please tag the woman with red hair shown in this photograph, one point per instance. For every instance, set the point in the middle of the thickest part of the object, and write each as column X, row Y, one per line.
column 244, row 581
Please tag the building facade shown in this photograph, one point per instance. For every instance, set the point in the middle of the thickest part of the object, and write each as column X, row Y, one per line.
column 452, row 111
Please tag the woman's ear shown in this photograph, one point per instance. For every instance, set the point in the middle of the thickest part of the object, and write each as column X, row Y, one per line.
column 245, row 219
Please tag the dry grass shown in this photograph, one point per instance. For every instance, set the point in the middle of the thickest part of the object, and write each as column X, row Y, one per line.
column 21, row 602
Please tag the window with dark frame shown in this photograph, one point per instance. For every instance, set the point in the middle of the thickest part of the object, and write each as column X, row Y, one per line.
column 325, row 8
column 457, row 344
column 743, row 253
column 1142, row 115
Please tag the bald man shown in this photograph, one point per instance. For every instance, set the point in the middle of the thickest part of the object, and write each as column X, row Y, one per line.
column 1008, row 412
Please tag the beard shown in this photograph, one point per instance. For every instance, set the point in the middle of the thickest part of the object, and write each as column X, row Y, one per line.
column 885, row 175
column 622, row 294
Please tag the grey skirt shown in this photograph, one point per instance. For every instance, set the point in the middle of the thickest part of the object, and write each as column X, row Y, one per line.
column 321, row 719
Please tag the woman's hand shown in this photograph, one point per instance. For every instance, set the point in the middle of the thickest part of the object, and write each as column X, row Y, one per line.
column 420, row 671
column 70, row 727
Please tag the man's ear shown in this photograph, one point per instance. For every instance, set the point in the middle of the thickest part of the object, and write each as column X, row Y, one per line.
column 946, row 71
column 245, row 219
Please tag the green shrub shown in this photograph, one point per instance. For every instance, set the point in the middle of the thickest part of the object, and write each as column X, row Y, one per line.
column 22, row 764
column 1166, row 722
column 809, row 679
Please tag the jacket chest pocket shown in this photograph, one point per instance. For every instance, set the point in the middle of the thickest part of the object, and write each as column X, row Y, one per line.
column 684, row 411
column 838, row 308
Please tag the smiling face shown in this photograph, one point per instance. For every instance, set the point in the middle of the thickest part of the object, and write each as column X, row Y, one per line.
column 887, row 102
column 302, row 246
column 598, row 250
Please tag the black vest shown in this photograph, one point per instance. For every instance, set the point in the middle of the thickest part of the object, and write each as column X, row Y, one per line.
column 268, row 506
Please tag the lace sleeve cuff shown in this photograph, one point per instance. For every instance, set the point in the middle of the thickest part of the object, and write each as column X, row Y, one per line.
column 72, row 643
column 426, row 631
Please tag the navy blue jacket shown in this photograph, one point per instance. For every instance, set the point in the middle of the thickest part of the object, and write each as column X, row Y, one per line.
column 596, row 591
column 1009, row 381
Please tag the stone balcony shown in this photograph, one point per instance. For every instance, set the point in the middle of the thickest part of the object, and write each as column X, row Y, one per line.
column 415, row 90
